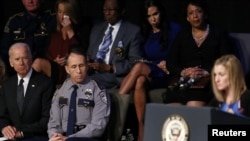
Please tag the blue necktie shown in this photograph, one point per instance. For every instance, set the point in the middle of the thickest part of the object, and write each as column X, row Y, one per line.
column 72, row 112
column 101, row 54
column 20, row 95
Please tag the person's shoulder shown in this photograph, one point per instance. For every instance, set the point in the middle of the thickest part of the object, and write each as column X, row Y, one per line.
column 41, row 77
column 99, row 26
column 184, row 32
column 174, row 25
column 217, row 30
column 10, row 80
column 48, row 13
column 129, row 24
column 246, row 94
column 96, row 84
column 16, row 16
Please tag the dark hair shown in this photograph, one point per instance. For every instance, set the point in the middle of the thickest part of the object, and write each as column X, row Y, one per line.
column 163, row 25
column 199, row 3
column 77, row 49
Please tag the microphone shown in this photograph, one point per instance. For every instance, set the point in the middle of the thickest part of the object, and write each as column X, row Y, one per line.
column 181, row 81
column 189, row 83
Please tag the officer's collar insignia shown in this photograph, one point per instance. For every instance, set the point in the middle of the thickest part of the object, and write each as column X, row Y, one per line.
column 43, row 26
column 103, row 97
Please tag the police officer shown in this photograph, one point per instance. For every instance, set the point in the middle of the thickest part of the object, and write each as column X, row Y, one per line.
column 32, row 26
column 92, row 103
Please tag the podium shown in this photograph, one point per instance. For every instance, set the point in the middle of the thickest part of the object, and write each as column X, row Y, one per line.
column 197, row 119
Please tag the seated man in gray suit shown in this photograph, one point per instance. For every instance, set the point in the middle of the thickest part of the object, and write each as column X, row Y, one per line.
column 114, row 47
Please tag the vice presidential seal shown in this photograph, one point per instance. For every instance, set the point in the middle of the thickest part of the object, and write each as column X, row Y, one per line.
column 175, row 128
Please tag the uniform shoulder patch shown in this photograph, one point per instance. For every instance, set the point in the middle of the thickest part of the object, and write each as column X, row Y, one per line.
column 103, row 97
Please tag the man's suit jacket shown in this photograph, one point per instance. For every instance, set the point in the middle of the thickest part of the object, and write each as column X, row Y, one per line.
column 131, row 39
column 34, row 118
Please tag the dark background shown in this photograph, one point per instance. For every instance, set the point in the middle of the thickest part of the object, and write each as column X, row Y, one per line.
column 230, row 15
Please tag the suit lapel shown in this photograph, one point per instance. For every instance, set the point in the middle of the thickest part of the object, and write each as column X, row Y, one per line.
column 118, row 38
column 13, row 95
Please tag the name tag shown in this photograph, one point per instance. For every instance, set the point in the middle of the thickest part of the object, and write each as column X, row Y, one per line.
column 85, row 103
column 63, row 102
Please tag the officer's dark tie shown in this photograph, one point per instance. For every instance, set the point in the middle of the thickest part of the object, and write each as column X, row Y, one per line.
column 100, row 56
column 20, row 95
column 72, row 112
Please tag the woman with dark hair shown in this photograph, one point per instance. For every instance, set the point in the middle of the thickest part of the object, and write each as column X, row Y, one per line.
column 151, row 69
column 194, row 52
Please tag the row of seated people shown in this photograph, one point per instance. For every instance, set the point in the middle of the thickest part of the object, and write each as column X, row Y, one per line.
column 118, row 56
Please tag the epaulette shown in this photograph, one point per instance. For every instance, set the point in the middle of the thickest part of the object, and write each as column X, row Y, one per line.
column 6, row 28
column 50, row 12
column 100, row 86
column 15, row 15
column 66, row 80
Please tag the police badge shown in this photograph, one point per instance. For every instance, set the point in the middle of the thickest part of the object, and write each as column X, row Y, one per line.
column 119, row 49
column 175, row 128
column 88, row 94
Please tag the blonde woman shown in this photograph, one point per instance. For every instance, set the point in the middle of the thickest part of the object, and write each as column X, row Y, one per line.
column 70, row 31
column 229, row 87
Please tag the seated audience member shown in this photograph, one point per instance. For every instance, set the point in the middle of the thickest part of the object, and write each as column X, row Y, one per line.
column 88, row 117
column 159, row 34
column 193, row 54
column 229, row 87
column 66, row 35
column 3, row 75
column 25, row 99
column 32, row 26
column 114, row 46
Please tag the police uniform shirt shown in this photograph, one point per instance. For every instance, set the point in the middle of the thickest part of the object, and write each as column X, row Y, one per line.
column 22, row 27
column 93, row 109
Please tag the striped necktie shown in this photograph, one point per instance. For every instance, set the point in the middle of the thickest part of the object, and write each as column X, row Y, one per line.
column 101, row 54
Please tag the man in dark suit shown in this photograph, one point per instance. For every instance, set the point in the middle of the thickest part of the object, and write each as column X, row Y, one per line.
column 26, row 121
column 121, row 53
